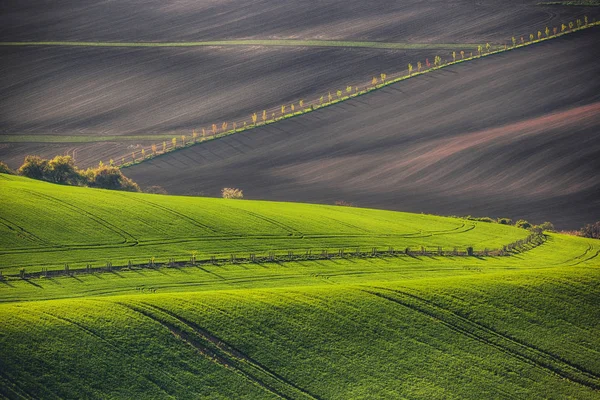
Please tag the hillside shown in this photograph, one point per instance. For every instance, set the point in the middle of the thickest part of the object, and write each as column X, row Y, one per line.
column 386, row 326
column 82, row 226
column 513, row 134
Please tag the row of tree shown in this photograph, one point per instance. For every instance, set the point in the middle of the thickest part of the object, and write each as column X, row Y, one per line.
column 285, row 110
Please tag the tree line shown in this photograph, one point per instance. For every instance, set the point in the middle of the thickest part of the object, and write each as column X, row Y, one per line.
column 62, row 170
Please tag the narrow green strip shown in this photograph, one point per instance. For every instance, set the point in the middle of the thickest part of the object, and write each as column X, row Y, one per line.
column 259, row 42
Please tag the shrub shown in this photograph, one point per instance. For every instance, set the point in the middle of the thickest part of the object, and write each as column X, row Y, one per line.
column 156, row 190
column 34, row 167
column 5, row 169
column 523, row 224
column 504, row 221
column 591, row 231
column 481, row 219
column 107, row 177
column 546, row 226
column 343, row 203
column 62, row 169
column 232, row 193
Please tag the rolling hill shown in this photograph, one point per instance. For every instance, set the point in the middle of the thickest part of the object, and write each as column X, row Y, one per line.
column 419, row 327
column 514, row 134
column 83, row 226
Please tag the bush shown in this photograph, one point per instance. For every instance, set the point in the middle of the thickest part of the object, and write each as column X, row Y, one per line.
column 523, row 224
column 62, row 169
column 504, row 221
column 5, row 169
column 156, row 190
column 546, row 226
column 232, row 193
column 343, row 203
column 107, row 177
column 591, row 231
column 34, row 167
column 481, row 219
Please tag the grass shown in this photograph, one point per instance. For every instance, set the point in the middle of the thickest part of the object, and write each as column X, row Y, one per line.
column 420, row 327
column 258, row 42
column 89, row 226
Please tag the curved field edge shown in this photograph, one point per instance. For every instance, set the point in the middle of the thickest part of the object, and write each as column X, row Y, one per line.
column 558, row 253
column 258, row 42
column 305, row 107
column 528, row 333
column 84, row 226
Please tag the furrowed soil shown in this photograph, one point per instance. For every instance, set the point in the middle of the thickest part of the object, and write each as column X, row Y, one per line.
column 69, row 93
column 514, row 134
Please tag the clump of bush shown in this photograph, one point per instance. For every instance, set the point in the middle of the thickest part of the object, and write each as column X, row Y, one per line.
column 5, row 169
column 232, row 193
column 504, row 221
column 591, row 231
column 155, row 190
column 523, row 224
column 62, row 170
column 343, row 203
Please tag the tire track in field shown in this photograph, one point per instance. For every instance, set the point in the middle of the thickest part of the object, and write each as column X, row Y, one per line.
column 230, row 349
column 113, row 228
column 217, row 351
column 117, row 350
column 8, row 386
column 292, row 231
column 172, row 212
column 27, row 235
column 506, row 344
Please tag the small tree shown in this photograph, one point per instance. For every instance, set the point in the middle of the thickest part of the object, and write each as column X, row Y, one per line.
column 330, row 97
column 546, row 226
column 215, row 129
column 164, row 147
column 514, row 41
column 254, row 118
column 301, row 103
column 224, row 126
column 383, row 77
column 547, row 32
column 5, row 169
column 282, row 111
column 563, row 27
column 321, row 100
column 203, row 134
column 293, row 107
column 182, row 140
column 133, row 156
column 454, row 56
column 374, row 81
column 555, row 30
column 539, row 35
column 232, row 193
column 585, row 20
column 531, row 37
column 571, row 25
column 143, row 153
column 34, row 167
column 174, row 142
column 462, row 54
column 194, row 135
column 339, row 93
column 410, row 69
column 479, row 49
column 419, row 66
column 523, row 224
column 348, row 89
column 591, row 231
column 264, row 116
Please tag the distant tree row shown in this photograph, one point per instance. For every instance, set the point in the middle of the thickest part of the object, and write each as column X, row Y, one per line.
column 266, row 116
column 62, row 170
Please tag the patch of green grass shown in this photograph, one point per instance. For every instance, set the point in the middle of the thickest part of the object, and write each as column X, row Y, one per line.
column 258, row 42
column 420, row 327
column 89, row 226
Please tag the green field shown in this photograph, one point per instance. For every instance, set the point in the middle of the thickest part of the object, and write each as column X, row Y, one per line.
column 406, row 327
column 259, row 42
column 86, row 226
